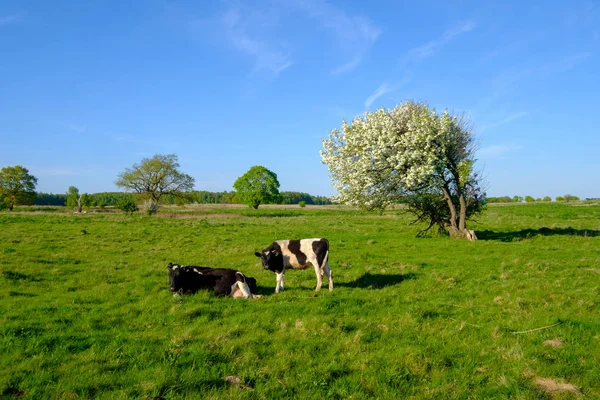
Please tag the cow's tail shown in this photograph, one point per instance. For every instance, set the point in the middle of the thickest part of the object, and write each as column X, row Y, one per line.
column 242, row 285
column 322, row 266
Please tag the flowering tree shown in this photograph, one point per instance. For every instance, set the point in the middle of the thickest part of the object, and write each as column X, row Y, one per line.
column 407, row 153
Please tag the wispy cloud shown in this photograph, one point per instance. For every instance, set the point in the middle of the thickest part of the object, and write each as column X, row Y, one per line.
column 9, row 19
column 497, row 151
column 506, row 120
column 428, row 49
column 380, row 91
column 266, row 58
column 356, row 34
column 77, row 128
column 57, row 172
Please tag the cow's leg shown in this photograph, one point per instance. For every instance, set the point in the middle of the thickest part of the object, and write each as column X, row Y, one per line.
column 244, row 290
column 279, row 276
column 319, row 274
column 328, row 274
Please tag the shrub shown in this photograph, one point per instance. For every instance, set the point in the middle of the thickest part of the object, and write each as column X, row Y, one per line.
column 559, row 198
column 529, row 199
column 127, row 205
column 302, row 204
column 547, row 198
column 570, row 197
column 2, row 204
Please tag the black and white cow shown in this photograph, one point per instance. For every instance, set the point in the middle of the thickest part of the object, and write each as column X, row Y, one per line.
column 297, row 254
column 224, row 282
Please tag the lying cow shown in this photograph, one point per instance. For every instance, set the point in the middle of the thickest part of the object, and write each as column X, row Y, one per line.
column 225, row 282
column 297, row 254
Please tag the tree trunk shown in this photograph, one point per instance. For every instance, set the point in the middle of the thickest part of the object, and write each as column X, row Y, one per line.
column 451, row 207
column 79, row 205
column 462, row 222
column 460, row 230
column 467, row 234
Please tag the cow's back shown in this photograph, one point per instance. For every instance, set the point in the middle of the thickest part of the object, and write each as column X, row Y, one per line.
column 302, row 253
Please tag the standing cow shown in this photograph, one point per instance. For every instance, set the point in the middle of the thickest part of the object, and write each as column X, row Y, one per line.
column 224, row 282
column 297, row 254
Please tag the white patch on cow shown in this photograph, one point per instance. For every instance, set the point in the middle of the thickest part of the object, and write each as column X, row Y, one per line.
column 196, row 270
column 175, row 266
column 241, row 289
column 290, row 260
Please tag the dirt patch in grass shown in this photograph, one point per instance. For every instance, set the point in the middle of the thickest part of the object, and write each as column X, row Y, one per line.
column 553, row 343
column 198, row 216
column 553, row 387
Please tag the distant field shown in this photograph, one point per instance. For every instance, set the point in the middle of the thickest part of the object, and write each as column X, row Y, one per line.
column 85, row 310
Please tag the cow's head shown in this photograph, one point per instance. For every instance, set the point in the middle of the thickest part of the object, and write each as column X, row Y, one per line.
column 271, row 258
column 176, row 273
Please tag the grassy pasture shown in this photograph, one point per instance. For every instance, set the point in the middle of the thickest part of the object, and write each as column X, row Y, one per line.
column 85, row 310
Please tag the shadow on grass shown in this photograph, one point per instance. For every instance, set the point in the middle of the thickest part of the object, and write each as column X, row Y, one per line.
column 529, row 233
column 377, row 281
column 17, row 276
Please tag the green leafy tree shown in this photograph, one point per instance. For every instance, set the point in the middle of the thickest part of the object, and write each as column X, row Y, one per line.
column 412, row 153
column 560, row 198
column 570, row 197
column 517, row 199
column 529, row 199
column 257, row 186
column 547, row 198
column 156, row 177
column 17, row 186
column 127, row 204
column 74, row 199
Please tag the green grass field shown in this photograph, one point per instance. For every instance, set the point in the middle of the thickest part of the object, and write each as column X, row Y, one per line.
column 85, row 310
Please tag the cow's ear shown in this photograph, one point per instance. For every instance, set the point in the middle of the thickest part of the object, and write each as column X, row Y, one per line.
column 169, row 265
column 257, row 254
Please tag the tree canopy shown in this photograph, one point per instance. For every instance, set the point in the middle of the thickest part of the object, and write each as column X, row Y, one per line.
column 257, row 186
column 17, row 186
column 156, row 177
column 408, row 153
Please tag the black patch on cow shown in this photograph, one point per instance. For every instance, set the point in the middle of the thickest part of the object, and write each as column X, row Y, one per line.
column 190, row 279
column 320, row 247
column 294, row 248
column 271, row 258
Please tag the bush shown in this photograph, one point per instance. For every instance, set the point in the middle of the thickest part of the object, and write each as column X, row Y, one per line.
column 302, row 204
column 547, row 198
column 127, row 205
column 570, row 197
column 2, row 204
column 559, row 198
column 529, row 199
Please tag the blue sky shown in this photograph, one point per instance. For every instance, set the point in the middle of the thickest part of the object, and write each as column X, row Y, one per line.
column 88, row 88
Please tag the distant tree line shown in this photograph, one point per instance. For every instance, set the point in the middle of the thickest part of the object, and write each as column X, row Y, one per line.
column 111, row 199
column 530, row 199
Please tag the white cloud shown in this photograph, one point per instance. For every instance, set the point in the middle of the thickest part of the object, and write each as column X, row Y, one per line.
column 380, row 91
column 266, row 58
column 77, row 128
column 9, row 19
column 506, row 120
column 57, row 172
column 356, row 34
column 429, row 48
column 497, row 151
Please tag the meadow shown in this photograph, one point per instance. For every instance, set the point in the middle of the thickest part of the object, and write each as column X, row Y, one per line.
column 86, row 312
